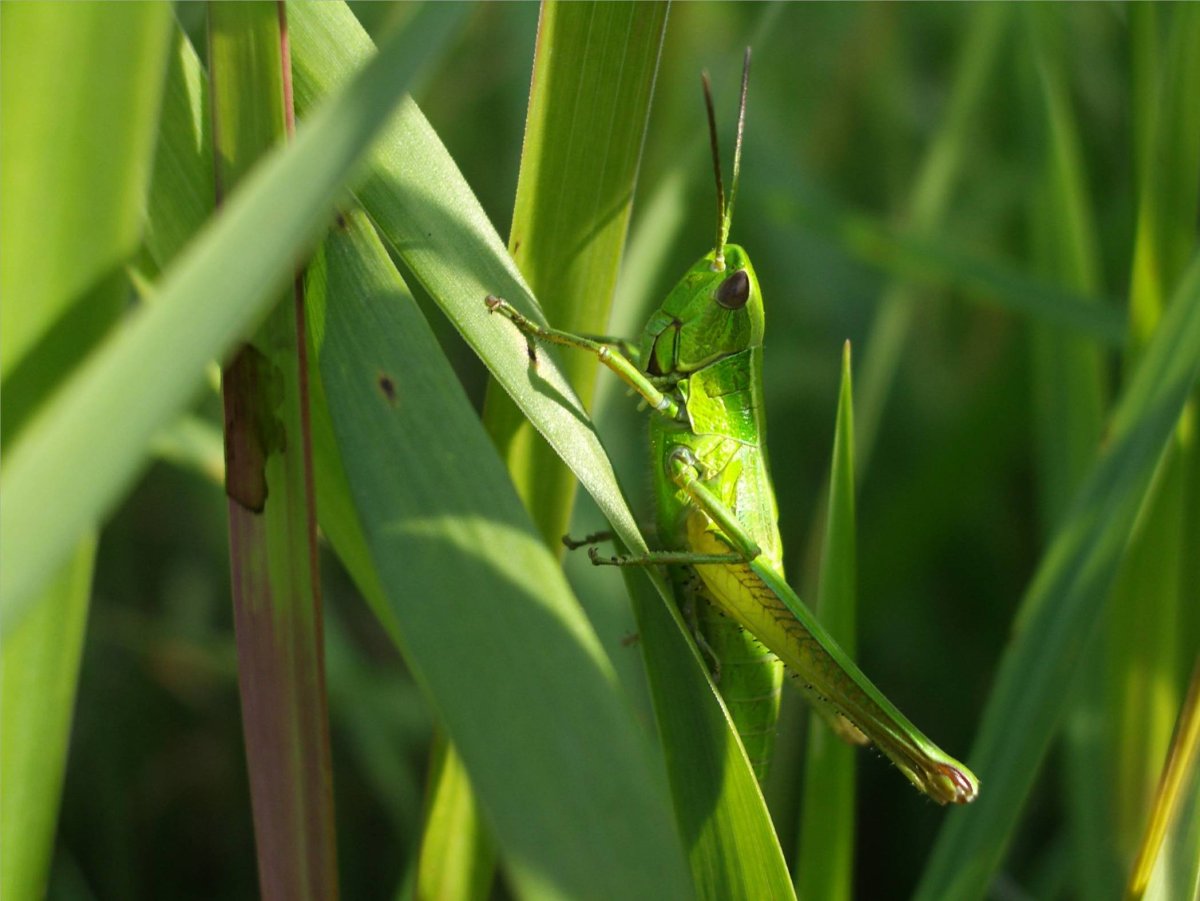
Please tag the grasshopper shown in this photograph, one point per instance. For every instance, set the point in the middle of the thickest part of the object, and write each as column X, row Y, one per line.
column 698, row 367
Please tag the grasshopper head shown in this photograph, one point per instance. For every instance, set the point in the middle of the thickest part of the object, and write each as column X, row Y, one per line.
column 716, row 309
column 711, row 313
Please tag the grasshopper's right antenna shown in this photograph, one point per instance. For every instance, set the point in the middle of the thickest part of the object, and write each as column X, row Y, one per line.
column 725, row 210
column 722, row 230
column 737, row 150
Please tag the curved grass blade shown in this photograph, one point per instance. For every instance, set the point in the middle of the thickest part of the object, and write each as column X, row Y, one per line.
column 731, row 846
column 458, row 859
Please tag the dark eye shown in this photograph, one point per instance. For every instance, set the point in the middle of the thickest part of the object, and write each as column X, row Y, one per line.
column 734, row 291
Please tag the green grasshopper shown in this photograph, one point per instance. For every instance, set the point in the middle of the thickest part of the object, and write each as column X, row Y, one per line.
column 699, row 367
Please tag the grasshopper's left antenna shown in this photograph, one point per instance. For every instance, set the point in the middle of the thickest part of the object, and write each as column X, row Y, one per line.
column 725, row 210
column 722, row 229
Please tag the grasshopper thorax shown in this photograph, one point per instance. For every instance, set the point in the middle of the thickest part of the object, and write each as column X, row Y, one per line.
column 710, row 314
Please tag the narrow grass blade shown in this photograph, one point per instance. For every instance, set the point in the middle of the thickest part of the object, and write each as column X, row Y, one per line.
column 39, row 668
column 1168, row 865
column 589, row 103
column 269, row 486
column 457, row 860
column 71, row 459
column 1066, row 597
column 479, row 605
column 825, row 859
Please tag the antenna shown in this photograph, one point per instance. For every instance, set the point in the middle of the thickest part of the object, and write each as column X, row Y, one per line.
column 722, row 229
column 725, row 210
column 737, row 150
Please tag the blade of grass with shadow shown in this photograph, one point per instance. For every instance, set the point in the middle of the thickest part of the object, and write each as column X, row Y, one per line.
column 478, row 604
column 1065, row 599
column 732, row 848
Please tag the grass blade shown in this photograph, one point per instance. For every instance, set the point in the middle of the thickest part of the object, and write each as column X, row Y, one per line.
column 731, row 845
column 1167, row 865
column 38, row 673
column 458, row 858
column 269, row 486
column 825, row 862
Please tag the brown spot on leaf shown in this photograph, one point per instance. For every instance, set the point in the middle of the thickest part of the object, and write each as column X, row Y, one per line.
column 388, row 386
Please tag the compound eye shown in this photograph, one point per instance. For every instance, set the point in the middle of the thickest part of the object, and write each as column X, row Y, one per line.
column 734, row 291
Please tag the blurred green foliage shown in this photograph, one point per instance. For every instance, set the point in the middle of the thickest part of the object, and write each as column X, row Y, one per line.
column 845, row 100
